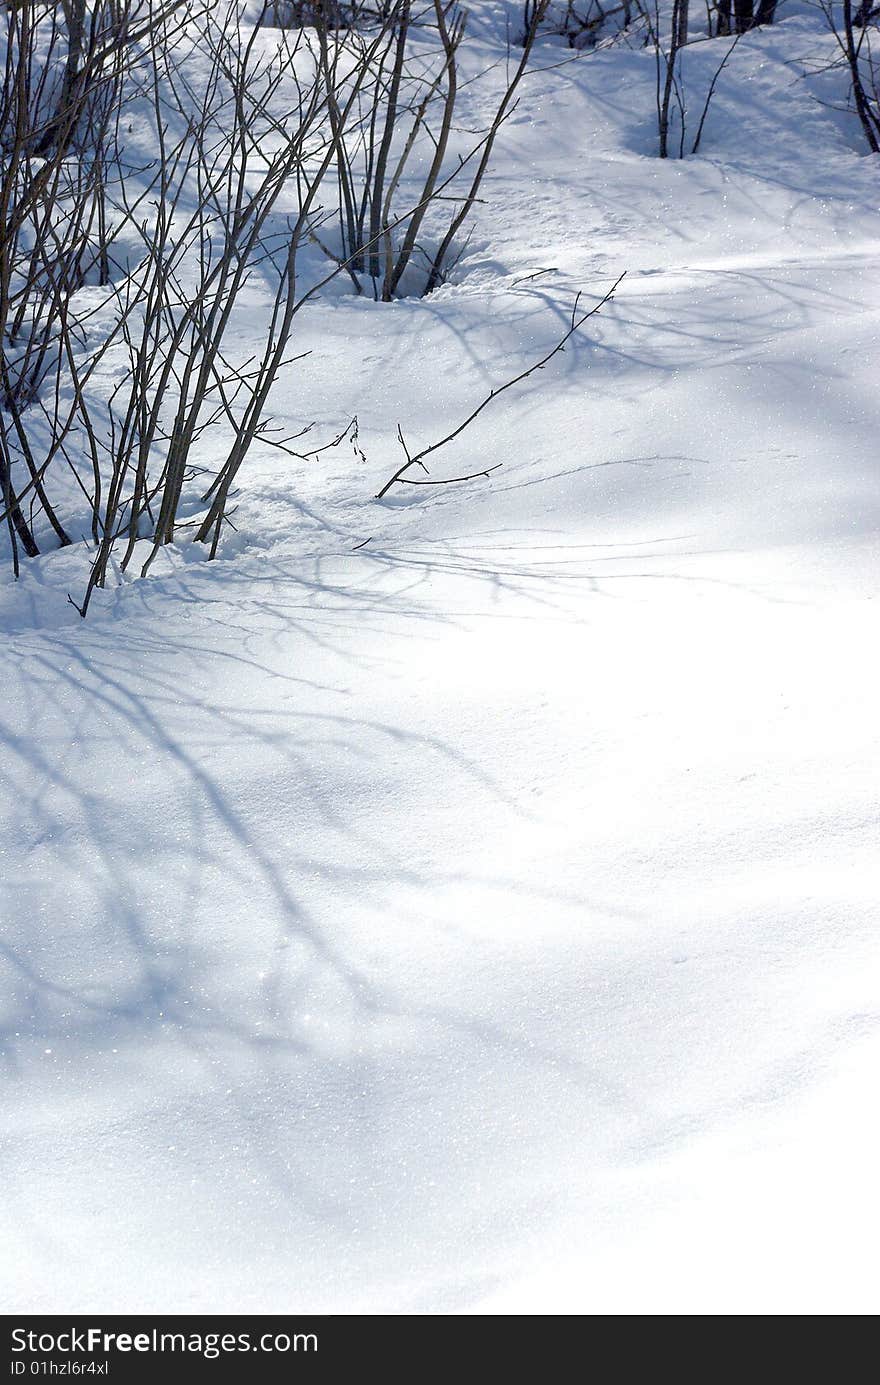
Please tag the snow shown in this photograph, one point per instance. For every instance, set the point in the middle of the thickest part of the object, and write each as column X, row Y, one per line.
column 484, row 920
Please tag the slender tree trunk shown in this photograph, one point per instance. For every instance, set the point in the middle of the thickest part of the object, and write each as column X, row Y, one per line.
column 870, row 122
column 664, row 100
column 385, row 146
column 75, row 18
column 681, row 23
column 744, row 12
column 18, row 526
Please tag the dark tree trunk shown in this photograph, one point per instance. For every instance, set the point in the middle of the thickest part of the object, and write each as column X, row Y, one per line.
column 18, row 526
column 864, row 108
column 744, row 12
column 62, row 127
column 681, row 23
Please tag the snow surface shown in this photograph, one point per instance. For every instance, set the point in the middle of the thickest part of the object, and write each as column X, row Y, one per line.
column 485, row 920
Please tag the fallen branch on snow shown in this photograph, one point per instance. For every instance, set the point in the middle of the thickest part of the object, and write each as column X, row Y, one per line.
column 400, row 475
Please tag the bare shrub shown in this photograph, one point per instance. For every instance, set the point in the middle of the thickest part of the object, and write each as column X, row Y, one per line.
column 855, row 29
column 201, row 211
column 122, row 280
column 59, row 109
column 396, row 154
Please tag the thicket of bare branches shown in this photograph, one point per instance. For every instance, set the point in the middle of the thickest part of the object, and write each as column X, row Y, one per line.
column 123, row 260
column 123, row 263
column 60, row 108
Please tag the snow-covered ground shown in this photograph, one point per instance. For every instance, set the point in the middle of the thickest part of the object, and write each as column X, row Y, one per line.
column 485, row 919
